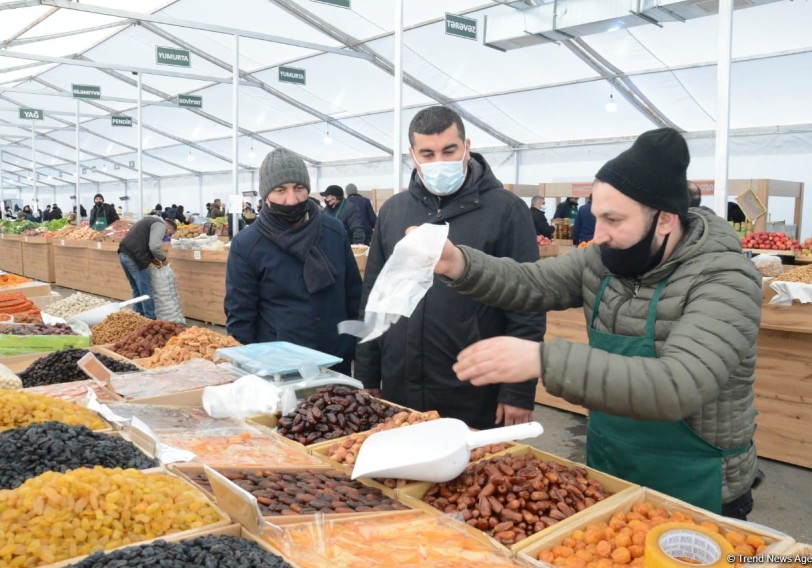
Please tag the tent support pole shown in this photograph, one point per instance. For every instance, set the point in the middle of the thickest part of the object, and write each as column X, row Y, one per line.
column 516, row 167
column 2, row 190
column 78, row 166
column 138, row 156
column 34, row 168
column 397, row 155
column 723, row 107
column 235, row 135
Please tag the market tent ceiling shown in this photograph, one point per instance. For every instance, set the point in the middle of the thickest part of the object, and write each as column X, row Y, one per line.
column 543, row 94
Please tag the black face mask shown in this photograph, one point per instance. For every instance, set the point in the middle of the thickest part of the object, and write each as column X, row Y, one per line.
column 291, row 214
column 636, row 259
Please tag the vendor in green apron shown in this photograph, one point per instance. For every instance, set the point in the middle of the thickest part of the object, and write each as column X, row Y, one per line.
column 672, row 310
column 103, row 214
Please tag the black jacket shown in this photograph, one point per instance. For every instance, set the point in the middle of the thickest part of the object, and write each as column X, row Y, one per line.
column 566, row 210
column 109, row 212
column 412, row 361
column 267, row 300
column 541, row 224
column 368, row 217
column 348, row 214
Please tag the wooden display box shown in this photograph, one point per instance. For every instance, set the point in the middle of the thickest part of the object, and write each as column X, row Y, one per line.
column 38, row 258
column 11, row 253
column 412, row 496
column 106, row 274
column 201, row 283
column 71, row 266
column 29, row 289
column 603, row 511
column 548, row 250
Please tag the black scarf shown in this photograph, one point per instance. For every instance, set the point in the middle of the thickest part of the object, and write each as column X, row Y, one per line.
column 301, row 242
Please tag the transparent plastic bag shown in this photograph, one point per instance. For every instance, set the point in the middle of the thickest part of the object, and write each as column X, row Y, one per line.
column 768, row 265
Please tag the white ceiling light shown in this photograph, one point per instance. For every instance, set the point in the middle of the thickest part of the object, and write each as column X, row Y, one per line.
column 104, row 166
column 190, row 157
column 611, row 105
column 251, row 153
column 327, row 138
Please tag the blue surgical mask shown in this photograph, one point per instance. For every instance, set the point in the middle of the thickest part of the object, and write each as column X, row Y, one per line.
column 442, row 178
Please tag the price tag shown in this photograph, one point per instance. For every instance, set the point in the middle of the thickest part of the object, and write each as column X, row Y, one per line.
column 62, row 242
column 197, row 255
column 25, row 239
column 98, row 245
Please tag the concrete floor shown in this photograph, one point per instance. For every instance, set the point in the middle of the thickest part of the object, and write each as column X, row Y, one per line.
column 783, row 501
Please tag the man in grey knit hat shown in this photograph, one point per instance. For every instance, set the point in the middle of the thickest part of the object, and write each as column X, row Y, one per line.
column 291, row 275
column 364, row 205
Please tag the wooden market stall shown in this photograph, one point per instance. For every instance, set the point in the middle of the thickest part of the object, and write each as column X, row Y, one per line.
column 11, row 253
column 201, row 282
column 38, row 255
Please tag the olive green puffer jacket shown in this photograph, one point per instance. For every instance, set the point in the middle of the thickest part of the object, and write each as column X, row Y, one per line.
column 707, row 324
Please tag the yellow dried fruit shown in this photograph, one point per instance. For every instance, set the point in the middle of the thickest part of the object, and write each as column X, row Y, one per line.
column 57, row 516
column 19, row 408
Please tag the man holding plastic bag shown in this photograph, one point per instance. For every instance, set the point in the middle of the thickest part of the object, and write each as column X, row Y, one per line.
column 141, row 247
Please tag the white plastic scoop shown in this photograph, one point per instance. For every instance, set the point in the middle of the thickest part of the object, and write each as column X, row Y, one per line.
column 97, row 315
column 436, row 451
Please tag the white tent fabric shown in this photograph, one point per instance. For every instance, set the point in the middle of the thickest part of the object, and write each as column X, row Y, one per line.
column 543, row 102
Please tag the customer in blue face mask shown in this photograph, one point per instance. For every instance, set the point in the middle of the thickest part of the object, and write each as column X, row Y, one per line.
column 411, row 364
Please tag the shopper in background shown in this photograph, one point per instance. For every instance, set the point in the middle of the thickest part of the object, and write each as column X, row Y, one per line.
column 344, row 211
column 56, row 212
column 583, row 229
column 171, row 212
column 567, row 209
column 140, row 247
column 412, row 363
column 28, row 215
column 694, row 195
column 673, row 312
column 248, row 214
column 735, row 213
column 180, row 215
column 539, row 218
column 216, row 209
column 47, row 215
column 364, row 205
column 158, row 211
column 291, row 275
column 103, row 214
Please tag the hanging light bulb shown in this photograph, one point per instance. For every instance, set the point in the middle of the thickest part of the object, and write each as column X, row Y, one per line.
column 104, row 166
column 611, row 105
column 251, row 153
column 327, row 138
column 190, row 157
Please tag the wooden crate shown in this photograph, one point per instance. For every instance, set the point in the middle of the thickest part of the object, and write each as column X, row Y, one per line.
column 106, row 274
column 604, row 510
column 548, row 250
column 38, row 258
column 71, row 266
column 569, row 325
column 412, row 496
column 201, row 283
column 11, row 253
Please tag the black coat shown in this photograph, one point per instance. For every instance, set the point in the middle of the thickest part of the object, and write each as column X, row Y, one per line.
column 109, row 212
column 412, row 361
column 368, row 217
column 541, row 224
column 350, row 216
column 267, row 300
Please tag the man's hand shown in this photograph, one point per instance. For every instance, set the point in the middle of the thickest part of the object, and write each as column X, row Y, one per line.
column 372, row 392
column 499, row 360
column 451, row 263
column 512, row 415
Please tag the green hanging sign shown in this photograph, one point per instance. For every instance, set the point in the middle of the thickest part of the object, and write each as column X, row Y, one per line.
column 121, row 120
column 86, row 91
column 173, row 56
column 190, row 101
column 460, row 26
column 292, row 75
column 32, row 114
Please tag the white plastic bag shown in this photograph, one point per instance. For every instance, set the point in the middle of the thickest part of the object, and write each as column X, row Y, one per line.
column 165, row 294
column 768, row 265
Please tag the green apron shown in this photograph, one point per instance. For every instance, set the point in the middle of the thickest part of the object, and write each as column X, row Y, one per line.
column 667, row 456
column 100, row 222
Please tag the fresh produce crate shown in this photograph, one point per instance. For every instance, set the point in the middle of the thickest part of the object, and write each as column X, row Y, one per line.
column 413, row 495
column 602, row 512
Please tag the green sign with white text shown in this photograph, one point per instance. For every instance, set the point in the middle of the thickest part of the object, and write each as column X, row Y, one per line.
column 173, row 56
column 121, row 120
column 190, row 101
column 86, row 91
column 339, row 3
column 460, row 26
column 32, row 114
column 292, row 75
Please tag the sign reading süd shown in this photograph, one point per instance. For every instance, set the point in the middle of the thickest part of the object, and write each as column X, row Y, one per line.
column 292, row 75
column 173, row 56
column 190, row 101
column 121, row 120
column 86, row 91
column 460, row 26
column 32, row 114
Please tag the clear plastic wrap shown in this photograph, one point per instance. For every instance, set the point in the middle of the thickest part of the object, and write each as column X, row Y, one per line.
column 389, row 540
column 190, row 375
column 75, row 391
column 171, row 419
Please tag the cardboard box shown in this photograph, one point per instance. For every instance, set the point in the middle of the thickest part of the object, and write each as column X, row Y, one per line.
column 603, row 511
column 412, row 496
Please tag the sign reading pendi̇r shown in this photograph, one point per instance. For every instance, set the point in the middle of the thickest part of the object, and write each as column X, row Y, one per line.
column 460, row 26
column 32, row 114
column 190, row 101
column 121, row 120
column 86, row 91
column 292, row 75
column 173, row 56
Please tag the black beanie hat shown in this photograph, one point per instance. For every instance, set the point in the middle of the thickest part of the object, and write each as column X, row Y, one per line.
column 652, row 171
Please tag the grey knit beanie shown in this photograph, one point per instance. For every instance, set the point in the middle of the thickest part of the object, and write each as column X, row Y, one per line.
column 280, row 167
column 351, row 189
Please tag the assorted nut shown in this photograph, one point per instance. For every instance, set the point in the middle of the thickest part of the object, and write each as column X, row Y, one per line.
column 37, row 329
column 194, row 343
column 117, row 326
column 306, row 492
column 513, row 497
column 74, row 305
column 331, row 413
column 802, row 275
column 146, row 339
column 62, row 367
column 221, row 551
column 52, row 446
